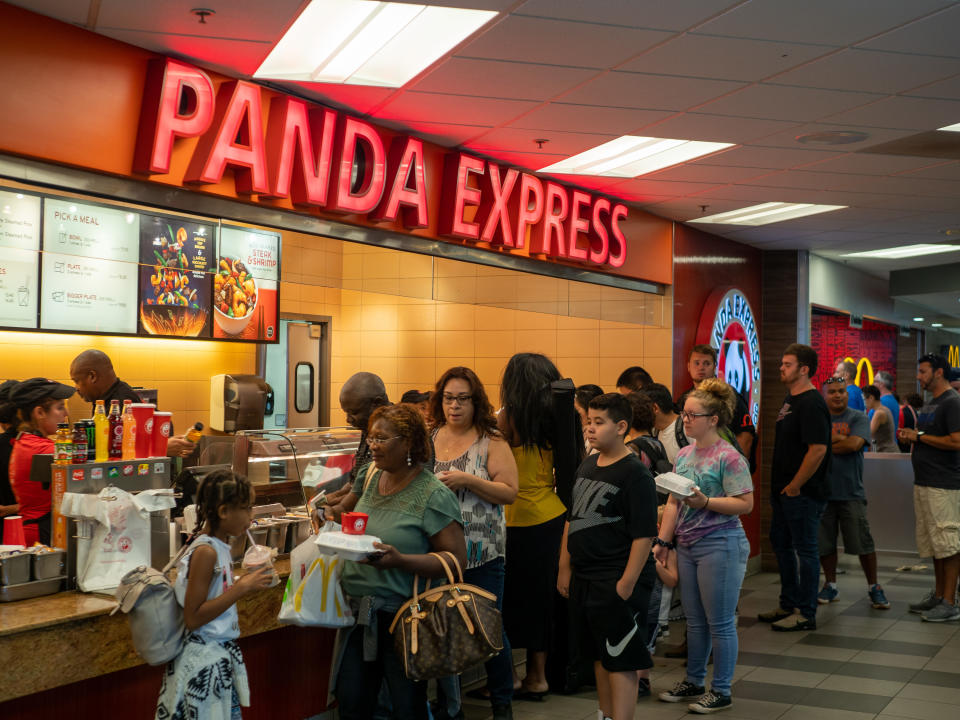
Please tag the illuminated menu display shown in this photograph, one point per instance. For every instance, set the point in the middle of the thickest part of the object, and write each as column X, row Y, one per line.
column 245, row 284
column 20, row 243
column 89, row 268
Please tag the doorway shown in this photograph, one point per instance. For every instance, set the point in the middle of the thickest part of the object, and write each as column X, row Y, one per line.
column 297, row 367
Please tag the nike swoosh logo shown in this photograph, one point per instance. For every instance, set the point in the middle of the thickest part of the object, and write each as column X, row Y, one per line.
column 615, row 650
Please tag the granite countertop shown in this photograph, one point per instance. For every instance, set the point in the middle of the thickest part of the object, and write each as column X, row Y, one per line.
column 72, row 605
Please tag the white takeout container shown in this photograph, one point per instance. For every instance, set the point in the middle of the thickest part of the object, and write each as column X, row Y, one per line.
column 349, row 547
column 677, row 485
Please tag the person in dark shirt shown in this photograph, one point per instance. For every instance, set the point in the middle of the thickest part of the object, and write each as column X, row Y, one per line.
column 8, row 431
column 798, row 490
column 606, row 567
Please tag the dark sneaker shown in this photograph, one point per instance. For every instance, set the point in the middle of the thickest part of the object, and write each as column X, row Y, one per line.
column 503, row 712
column 878, row 598
column 682, row 691
column 772, row 616
column 943, row 612
column 643, row 688
column 829, row 594
column 711, row 702
column 929, row 602
column 795, row 623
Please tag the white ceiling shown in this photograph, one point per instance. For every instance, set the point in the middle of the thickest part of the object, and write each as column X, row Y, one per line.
column 757, row 73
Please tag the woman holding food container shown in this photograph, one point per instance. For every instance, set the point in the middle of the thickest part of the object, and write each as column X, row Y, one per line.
column 413, row 514
column 712, row 548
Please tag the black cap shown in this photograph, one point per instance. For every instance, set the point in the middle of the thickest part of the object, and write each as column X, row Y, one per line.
column 29, row 392
column 415, row 396
column 8, row 410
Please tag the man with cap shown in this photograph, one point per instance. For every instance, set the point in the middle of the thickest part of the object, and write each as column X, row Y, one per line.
column 95, row 379
column 40, row 407
column 8, row 431
column 420, row 399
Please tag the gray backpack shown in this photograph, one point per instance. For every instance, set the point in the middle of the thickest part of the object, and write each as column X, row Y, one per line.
column 156, row 618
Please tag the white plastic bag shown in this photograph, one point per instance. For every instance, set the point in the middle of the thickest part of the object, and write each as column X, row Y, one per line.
column 313, row 597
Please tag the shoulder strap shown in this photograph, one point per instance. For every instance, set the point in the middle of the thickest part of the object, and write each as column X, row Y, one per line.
column 371, row 469
column 679, row 435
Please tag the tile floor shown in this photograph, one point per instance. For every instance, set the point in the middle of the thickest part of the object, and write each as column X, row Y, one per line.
column 860, row 664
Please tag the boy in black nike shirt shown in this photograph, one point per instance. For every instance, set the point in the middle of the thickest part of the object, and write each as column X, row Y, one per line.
column 606, row 568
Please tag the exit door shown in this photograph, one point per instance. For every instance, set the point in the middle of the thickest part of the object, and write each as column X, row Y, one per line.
column 295, row 368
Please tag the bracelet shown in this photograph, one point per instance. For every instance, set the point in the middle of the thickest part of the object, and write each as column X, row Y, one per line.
column 664, row 543
column 707, row 503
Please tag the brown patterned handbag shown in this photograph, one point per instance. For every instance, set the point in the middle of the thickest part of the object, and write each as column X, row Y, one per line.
column 444, row 630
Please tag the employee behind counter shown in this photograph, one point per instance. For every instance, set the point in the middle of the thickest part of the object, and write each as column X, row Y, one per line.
column 95, row 379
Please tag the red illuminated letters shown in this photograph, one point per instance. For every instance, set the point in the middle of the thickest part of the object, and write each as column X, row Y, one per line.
column 370, row 168
column 578, row 224
column 235, row 138
column 298, row 167
column 529, row 206
column 405, row 163
column 457, row 168
column 618, row 242
column 555, row 209
column 168, row 83
column 495, row 192
column 599, row 237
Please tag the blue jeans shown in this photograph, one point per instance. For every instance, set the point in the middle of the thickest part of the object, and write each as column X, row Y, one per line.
column 489, row 577
column 794, row 529
column 711, row 573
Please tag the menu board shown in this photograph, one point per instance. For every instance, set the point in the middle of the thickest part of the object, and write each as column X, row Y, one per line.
column 176, row 261
column 19, row 259
column 89, row 268
column 245, row 284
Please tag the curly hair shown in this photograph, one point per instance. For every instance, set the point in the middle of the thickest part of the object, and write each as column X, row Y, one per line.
column 717, row 398
column 409, row 425
column 643, row 416
column 221, row 487
column 483, row 418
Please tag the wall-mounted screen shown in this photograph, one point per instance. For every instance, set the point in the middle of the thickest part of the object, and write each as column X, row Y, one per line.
column 19, row 259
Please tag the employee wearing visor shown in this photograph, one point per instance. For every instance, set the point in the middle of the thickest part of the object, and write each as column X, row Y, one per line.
column 93, row 375
column 40, row 408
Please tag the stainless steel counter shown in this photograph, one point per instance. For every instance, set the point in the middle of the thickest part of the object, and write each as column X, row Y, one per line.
column 888, row 481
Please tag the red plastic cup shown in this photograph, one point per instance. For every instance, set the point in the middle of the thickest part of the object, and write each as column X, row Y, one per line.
column 162, row 431
column 143, row 416
column 13, row 530
column 354, row 523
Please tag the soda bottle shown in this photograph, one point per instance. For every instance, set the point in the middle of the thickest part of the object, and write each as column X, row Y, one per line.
column 63, row 444
column 115, row 429
column 101, row 433
column 129, row 441
column 193, row 434
column 79, row 443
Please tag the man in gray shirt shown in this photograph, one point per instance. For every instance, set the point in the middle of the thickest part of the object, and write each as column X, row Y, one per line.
column 846, row 510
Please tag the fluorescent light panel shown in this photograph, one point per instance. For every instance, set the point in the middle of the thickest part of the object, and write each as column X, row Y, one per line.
column 363, row 42
column 904, row 251
column 631, row 156
column 766, row 213
column 951, row 128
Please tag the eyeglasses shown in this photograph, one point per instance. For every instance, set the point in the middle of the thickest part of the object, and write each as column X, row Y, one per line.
column 835, row 379
column 380, row 440
column 458, row 399
column 688, row 416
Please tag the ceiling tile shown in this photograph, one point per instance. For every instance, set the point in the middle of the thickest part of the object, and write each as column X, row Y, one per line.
column 442, row 134
column 659, row 15
column 875, row 136
column 761, row 193
column 493, row 78
column 689, row 208
column 778, row 102
column 526, row 160
column 706, row 174
column 651, row 186
column 574, row 118
column 863, row 163
column 521, row 140
column 945, row 171
column 230, row 57
column 716, row 128
column 777, row 232
column 936, row 35
column 237, row 20
column 723, row 57
column 356, row 99
column 946, row 89
column 871, row 71
column 767, row 157
column 560, row 42
column 71, row 11
column 807, row 22
column 655, row 92
column 456, row 109
column 910, row 113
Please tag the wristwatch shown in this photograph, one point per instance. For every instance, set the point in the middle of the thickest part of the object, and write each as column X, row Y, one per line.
column 920, row 434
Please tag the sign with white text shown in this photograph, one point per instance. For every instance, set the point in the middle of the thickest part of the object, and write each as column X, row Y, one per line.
column 19, row 259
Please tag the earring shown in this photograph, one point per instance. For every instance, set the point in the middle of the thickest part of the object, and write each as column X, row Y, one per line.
column 409, row 459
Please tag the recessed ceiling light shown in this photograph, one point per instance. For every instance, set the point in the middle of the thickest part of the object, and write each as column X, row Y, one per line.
column 631, row 156
column 903, row 251
column 766, row 213
column 936, row 324
column 362, row 42
column 951, row 128
column 832, row 137
column 918, row 319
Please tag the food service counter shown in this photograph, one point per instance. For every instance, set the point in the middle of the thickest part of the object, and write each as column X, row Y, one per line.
column 888, row 482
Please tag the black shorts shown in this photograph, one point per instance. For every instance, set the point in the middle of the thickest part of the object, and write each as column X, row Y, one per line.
column 607, row 627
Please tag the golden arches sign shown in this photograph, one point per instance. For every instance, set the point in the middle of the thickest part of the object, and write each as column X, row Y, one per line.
column 953, row 353
column 864, row 362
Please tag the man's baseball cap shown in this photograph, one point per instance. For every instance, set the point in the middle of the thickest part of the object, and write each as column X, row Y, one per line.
column 29, row 392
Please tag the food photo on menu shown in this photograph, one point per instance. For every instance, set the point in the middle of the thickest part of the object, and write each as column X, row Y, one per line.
column 176, row 259
column 245, row 285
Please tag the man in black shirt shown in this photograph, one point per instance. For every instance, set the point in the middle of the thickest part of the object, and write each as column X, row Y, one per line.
column 95, row 379
column 798, row 490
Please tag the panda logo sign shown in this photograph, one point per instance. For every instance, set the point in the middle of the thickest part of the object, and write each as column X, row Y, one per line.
column 729, row 326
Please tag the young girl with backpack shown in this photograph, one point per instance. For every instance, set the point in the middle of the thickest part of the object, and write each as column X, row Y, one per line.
column 208, row 679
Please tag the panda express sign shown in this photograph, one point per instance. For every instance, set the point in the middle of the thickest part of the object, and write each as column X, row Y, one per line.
column 729, row 326
column 324, row 160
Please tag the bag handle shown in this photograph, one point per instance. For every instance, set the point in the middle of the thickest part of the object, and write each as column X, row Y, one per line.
column 456, row 564
column 446, row 568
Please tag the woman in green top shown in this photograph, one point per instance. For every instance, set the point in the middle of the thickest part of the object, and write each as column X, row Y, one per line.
column 414, row 514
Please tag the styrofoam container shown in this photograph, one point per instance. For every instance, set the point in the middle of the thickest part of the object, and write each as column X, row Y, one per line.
column 349, row 547
column 677, row 485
